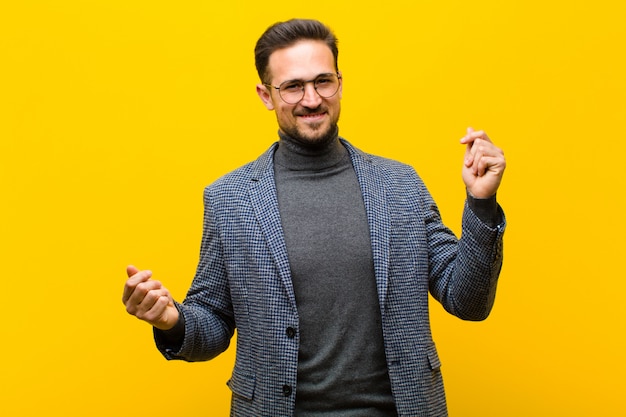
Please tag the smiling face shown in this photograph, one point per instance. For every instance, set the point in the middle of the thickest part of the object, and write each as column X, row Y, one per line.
column 312, row 121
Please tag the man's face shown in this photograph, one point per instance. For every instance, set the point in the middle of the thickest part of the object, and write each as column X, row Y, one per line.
column 313, row 120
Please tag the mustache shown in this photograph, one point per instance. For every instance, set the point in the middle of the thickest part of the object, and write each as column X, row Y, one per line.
column 305, row 111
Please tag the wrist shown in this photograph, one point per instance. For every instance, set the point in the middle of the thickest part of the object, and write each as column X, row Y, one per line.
column 486, row 209
column 170, row 318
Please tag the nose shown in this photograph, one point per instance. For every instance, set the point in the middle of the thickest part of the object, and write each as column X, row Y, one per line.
column 310, row 99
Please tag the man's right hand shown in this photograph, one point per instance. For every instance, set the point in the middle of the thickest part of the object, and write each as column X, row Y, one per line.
column 149, row 300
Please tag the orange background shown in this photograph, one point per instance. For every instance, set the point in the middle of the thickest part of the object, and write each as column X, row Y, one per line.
column 115, row 114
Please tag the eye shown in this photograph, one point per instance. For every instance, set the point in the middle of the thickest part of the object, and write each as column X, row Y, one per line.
column 291, row 86
column 323, row 81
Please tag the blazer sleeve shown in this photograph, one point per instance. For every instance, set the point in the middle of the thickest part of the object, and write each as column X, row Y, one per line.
column 207, row 310
column 463, row 273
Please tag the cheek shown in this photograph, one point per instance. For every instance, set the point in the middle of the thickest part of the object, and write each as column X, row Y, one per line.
column 284, row 112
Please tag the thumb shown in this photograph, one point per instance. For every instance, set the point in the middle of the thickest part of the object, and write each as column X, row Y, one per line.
column 131, row 270
column 469, row 158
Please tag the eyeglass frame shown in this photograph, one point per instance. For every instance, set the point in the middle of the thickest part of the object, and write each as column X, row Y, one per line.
column 304, row 83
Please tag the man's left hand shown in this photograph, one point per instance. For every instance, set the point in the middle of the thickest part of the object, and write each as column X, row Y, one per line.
column 483, row 166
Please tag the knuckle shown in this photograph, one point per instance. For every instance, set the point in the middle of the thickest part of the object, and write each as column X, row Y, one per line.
column 151, row 296
column 152, row 315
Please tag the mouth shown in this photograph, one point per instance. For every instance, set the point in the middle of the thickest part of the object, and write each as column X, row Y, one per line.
column 312, row 116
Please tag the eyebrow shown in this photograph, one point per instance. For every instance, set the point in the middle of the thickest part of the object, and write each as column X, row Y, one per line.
column 300, row 80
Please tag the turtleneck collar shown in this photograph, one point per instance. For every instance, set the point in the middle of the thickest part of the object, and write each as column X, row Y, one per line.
column 297, row 157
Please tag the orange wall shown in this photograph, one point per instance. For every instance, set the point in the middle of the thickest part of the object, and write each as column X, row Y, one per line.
column 115, row 114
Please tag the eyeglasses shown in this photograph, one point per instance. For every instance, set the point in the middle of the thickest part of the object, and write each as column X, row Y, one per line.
column 292, row 91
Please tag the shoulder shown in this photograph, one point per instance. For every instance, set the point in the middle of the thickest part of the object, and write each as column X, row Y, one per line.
column 397, row 181
column 240, row 178
column 379, row 165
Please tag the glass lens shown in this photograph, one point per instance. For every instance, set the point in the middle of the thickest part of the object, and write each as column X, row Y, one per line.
column 326, row 86
column 292, row 91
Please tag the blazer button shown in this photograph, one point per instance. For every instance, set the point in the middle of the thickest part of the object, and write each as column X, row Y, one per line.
column 291, row 332
column 286, row 390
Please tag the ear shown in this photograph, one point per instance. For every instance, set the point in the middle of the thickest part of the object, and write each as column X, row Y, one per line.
column 340, row 84
column 265, row 95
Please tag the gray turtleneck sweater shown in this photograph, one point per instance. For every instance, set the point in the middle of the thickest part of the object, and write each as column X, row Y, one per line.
column 342, row 370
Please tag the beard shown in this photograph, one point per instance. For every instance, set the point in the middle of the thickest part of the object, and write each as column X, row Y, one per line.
column 317, row 137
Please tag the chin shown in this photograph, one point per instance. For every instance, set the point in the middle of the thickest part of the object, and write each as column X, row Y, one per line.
column 315, row 137
column 319, row 137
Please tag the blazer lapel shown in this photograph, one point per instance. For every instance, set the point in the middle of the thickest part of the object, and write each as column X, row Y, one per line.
column 263, row 197
column 262, row 192
column 374, row 197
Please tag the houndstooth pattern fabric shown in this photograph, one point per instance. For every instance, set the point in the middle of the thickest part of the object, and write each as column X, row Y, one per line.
column 243, row 281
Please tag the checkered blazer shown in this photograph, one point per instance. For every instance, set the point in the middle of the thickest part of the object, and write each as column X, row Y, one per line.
column 243, row 281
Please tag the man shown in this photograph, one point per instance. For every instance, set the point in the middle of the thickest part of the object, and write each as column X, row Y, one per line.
column 322, row 257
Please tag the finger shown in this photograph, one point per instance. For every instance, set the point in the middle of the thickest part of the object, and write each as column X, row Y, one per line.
column 477, row 161
column 141, row 291
column 466, row 139
column 484, row 154
column 486, row 164
column 150, row 298
column 469, row 156
column 474, row 151
column 157, row 309
column 139, row 276
column 482, row 166
column 473, row 135
column 495, row 164
column 132, row 284
column 487, row 149
column 154, row 305
column 131, row 270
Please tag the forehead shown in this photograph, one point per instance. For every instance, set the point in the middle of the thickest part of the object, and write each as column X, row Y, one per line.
column 303, row 60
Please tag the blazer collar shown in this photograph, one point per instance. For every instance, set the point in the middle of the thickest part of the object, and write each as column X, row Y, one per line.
column 375, row 199
column 262, row 192
column 263, row 196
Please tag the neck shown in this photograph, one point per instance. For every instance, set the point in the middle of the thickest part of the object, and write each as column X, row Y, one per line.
column 295, row 155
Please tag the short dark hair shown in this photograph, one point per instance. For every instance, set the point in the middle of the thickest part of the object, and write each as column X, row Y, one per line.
column 284, row 34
